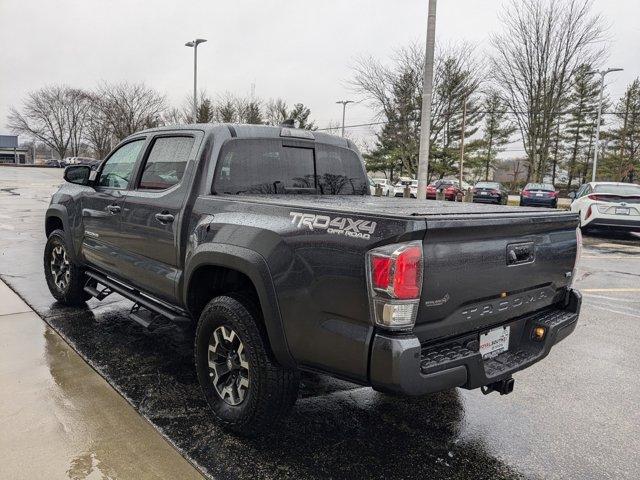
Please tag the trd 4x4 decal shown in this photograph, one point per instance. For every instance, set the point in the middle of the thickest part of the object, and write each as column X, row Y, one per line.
column 337, row 226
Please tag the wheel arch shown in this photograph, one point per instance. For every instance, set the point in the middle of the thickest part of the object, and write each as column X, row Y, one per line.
column 57, row 218
column 242, row 267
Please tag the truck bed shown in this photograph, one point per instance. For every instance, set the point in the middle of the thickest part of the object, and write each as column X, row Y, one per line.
column 395, row 207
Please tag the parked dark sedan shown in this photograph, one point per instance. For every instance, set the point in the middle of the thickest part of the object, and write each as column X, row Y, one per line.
column 539, row 195
column 490, row 192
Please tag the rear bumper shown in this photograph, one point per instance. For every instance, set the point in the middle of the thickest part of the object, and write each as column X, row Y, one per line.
column 401, row 364
column 486, row 199
column 617, row 222
column 538, row 202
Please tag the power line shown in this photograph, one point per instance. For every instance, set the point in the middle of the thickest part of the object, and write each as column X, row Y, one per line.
column 385, row 122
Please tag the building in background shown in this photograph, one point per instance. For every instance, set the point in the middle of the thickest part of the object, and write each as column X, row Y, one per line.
column 10, row 152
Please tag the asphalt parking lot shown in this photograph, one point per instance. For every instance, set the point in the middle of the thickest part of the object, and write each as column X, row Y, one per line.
column 573, row 415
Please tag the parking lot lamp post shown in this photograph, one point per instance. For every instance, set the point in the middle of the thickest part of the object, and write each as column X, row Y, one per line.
column 195, row 44
column 344, row 108
column 597, row 145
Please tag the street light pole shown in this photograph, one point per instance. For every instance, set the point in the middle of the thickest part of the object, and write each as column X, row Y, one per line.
column 195, row 44
column 602, row 74
column 425, row 121
column 344, row 108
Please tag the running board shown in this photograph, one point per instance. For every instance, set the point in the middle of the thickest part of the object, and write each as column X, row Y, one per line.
column 98, row 294
column 136, row 297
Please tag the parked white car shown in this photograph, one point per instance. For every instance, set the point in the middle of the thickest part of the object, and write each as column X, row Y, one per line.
column 398, row 189
column 387, row 188
column 608, row 204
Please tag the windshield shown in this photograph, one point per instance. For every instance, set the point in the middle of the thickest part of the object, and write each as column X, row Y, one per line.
column 624, row 189
column 547, row 187
column 268, row 166
column 487, row 185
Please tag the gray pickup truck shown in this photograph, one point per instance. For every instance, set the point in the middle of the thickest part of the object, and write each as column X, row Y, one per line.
column 267, row 240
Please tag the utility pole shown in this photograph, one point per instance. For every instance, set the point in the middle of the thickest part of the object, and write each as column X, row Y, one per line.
column 427, row 87
column 344, row 108
column 602, row 74
column 464, row 125
column 195, row 44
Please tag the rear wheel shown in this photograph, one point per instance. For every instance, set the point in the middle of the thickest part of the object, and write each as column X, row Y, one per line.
column 246, row 389
column 65, row 279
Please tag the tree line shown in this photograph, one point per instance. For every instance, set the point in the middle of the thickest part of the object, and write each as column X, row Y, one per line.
column 536, row 87
column 76, row 122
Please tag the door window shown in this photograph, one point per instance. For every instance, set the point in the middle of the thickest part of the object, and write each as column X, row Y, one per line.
column 166, row 162
column 117, row 170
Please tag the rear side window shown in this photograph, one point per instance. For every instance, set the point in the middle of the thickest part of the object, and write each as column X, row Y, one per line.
column 265, row 166
column 166, row 162
column 339, row 171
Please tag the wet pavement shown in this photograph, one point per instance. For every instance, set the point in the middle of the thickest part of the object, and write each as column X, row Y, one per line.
column 60, row 419
column 573, row 415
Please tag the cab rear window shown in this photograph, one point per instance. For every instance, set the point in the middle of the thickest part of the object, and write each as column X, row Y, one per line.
column 266, row 166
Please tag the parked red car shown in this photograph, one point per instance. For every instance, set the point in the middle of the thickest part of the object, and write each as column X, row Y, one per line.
column 450, row 188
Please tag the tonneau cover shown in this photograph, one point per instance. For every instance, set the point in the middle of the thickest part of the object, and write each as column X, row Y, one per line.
column 392, row 206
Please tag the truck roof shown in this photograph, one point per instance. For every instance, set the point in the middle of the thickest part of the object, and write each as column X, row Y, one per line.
column 239, row 130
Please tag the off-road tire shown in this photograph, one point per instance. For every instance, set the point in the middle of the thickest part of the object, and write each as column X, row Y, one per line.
column 272, row 389
column 72, row 293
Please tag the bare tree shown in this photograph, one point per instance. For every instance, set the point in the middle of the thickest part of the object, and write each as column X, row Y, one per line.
column 537, row 55
column 276, row 111
column 128, row 108
column 53, row 116
column 97, row 132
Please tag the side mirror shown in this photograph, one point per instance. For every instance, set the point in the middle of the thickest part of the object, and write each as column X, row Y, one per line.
column 78, row 174
column 572, row 195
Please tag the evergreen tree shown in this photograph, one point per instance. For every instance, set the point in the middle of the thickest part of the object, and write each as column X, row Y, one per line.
column 496, row 132
column 300, row 115
column 580, row 126
column 622, row 161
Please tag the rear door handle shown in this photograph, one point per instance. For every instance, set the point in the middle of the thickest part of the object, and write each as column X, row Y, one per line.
column 164, row 217
column 113, row 209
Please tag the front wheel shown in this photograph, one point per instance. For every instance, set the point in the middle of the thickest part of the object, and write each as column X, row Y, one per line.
column 65, row 279
column 245, row 388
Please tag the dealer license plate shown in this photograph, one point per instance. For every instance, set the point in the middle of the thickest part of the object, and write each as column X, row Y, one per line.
column 622, row 211
column 494, row 342
column 538, row 194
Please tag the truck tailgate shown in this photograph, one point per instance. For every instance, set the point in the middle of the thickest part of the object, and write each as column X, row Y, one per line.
column 481, row 270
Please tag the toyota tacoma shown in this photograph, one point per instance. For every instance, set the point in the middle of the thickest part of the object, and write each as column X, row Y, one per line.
column 268, row 240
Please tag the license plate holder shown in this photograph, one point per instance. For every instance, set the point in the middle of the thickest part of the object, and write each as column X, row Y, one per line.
column 494, row 342
column 622, row 210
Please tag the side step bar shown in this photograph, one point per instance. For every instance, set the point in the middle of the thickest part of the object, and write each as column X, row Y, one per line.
column 136, row 297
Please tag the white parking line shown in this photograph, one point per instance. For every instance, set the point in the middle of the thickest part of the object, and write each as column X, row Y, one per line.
column 610, row 310
column 616, row 299
column 588, row 290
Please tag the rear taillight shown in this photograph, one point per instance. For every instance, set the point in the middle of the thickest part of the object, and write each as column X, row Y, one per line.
column 554, row 194
column 395, row 280
column 588, row 214
column 495, row 192
column 525, row 193
column 597, row 198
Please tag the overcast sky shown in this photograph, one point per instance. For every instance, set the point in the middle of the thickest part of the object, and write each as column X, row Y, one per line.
column 298, row 50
